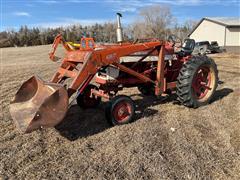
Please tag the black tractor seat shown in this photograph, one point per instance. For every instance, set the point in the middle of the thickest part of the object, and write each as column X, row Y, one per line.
column 187, row 47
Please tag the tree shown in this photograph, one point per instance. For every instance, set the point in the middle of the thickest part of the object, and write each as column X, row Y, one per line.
column 182, row 31
column 23, row 36
column 155, row 23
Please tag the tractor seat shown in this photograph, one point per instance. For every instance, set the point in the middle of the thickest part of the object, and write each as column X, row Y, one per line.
column 187, row 47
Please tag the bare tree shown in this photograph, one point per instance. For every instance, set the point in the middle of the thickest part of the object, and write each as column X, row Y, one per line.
column 182, row 31
column 155, row 22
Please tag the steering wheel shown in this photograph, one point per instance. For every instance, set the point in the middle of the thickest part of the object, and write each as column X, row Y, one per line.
column 176, row 42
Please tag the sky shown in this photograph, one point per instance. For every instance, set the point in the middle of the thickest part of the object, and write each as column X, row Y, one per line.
column 56, row 13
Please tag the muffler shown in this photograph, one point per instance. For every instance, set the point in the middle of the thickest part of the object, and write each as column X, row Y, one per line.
column 119, row 28
column 38, row 104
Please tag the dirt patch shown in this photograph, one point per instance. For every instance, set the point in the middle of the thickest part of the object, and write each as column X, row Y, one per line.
column 166, row 140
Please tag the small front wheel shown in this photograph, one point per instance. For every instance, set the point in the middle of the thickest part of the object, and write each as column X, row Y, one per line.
column 120, row 110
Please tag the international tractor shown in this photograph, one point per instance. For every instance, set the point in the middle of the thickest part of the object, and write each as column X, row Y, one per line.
column 98, row 72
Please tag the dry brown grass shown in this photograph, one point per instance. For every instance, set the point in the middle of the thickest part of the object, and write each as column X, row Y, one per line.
column 204, row 145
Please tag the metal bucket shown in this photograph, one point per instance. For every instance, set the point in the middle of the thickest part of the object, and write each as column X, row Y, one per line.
column 38, row 104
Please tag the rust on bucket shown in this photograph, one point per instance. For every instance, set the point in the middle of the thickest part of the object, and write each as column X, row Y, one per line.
column 38, row 104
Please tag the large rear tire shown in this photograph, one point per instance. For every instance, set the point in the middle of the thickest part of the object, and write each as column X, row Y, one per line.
column 197, row 81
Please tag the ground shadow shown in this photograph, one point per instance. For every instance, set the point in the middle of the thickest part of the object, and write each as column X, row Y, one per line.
column 82, row 123
column 221, row 93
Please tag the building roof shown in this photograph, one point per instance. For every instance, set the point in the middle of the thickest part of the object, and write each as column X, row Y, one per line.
column 224, row 21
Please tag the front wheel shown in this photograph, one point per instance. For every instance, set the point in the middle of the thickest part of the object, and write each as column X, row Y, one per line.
column 120, row 110
column 197, row 81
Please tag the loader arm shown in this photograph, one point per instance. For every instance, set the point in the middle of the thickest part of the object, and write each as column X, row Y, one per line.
column 105, row 57
column 58, row 40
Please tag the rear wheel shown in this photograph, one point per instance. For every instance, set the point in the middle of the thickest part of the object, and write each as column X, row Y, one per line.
column 120, row 110
column 85, row 100
column 197, row 81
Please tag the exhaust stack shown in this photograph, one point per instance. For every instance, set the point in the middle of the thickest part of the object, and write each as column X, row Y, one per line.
column 119, row 28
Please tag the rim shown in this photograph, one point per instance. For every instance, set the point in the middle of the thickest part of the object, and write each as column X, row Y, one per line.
column 122, row 111
column 203, row 82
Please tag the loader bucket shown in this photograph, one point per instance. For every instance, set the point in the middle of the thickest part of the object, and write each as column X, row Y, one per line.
column 38, row 104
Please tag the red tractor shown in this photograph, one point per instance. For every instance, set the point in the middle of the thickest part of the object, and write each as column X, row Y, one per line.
column 151, row 65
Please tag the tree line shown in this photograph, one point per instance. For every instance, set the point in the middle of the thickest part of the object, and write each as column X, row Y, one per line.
column 155, row 22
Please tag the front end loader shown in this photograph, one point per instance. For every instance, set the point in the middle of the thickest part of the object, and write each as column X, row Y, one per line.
column 150, row 65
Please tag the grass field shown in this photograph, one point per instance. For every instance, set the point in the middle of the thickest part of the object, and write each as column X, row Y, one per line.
column 166, row 140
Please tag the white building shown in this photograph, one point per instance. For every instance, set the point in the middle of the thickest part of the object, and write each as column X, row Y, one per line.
column 224, row 30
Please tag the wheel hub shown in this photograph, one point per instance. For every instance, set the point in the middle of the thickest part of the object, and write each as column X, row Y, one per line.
column 122, row 111
column 202, row 82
